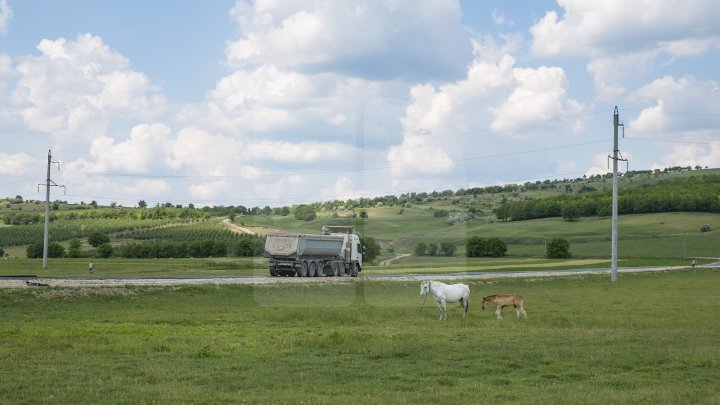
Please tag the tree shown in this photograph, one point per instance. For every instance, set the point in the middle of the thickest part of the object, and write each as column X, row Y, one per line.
column 363, row 214
column 558, row 248
column 35, row 250
column 476, row 246
column 432, row 249
column 305, row 213
column 371, row 248
column 420, row 248
column 105, row 250
column 74, row 248
column 98, row 238
column 570, row 212
column 142, row 204
column 447, row 249
column 2, row 252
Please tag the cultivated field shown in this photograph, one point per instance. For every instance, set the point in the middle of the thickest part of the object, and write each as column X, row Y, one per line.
column 649, row 338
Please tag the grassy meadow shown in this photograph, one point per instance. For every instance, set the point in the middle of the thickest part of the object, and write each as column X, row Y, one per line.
column 648, row 338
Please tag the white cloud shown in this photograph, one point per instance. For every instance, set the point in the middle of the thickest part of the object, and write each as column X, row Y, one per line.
column 17, row 164
column 5, row 16
column 623, row 38
column 75, row 88
column 615, row 25
column 143, row 152
column 691, row 155
column 685, row 106
column 147, row 188
column 208, row 191
column 370, row 39
column 539, row 96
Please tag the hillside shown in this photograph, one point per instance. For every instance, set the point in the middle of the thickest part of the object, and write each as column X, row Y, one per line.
column 396, row 222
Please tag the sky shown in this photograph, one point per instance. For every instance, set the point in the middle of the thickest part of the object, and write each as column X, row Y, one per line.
column 278, row 102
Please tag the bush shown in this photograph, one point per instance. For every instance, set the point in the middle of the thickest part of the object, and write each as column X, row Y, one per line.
column 305, row 213
column 371, row 248
column 705, row 228
column 2, row 252
column 558, row 248
column 485, row 247
column 420, row 248
column 105, row 250
column 447, row 249
column 35, row 251
column 432, row 249
column 441, row 213
column 98, row 238
column 249, row 246
column 570, row 213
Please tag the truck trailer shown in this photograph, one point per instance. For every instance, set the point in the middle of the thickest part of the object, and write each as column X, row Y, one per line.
column 336, row 252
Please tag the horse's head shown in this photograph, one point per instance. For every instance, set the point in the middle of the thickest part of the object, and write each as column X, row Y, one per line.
column 424, row 288
column 485, row 299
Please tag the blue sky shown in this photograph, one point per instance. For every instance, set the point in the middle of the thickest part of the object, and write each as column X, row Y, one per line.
column 288, row 102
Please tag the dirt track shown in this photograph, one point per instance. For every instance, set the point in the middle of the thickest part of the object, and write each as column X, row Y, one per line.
column 118, row 282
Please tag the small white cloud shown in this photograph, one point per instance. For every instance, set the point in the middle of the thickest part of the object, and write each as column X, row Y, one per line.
column 17, row 164
column 5, row 16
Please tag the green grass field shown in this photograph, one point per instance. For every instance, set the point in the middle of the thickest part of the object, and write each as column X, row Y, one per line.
column 649, row 338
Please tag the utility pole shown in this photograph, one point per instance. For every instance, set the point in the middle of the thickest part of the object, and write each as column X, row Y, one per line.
column 48, row 184
column 615, row 157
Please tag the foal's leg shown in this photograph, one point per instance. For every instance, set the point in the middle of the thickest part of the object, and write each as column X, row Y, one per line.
column 497, row 312
column 522, row 310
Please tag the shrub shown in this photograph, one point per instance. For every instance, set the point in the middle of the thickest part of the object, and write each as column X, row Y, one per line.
column 441, row 213
column 35, row 250
column 105, row 250
column 371, row 248
column 432, row 249
column 558, row 248
column 447, row 249
column 420, row 248
column 705, row 228
column 485, row 247
column 98, row 238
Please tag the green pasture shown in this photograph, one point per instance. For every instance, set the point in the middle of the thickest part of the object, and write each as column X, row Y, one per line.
column 648, row 338
column 666, row 235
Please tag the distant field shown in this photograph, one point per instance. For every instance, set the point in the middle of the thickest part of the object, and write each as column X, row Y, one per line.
column 649, row 338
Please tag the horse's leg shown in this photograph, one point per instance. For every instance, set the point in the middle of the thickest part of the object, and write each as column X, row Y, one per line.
column 497, row 312
column 523, row 312
column 440, row 308
column 444, row 310
column 465, row 303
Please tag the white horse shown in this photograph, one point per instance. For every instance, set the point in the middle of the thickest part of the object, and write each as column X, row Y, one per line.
column 444, row 293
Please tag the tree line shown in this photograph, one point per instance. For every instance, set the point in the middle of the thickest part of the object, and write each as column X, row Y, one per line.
column 693, row 194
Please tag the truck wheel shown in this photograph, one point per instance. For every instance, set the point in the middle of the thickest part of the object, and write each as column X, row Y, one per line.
column 302, row 272
column 319, row 272
column 274, row 272
column 355, row 270
column 312, row 269
column 340, row 269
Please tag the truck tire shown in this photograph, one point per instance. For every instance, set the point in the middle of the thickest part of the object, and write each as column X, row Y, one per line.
column 355, row 270
column 341, row 270
column 319, row 271
column 312, row 269
column 274, row 272
column 302, row 271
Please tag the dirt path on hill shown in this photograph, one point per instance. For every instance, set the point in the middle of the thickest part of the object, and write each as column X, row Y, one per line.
column 387, row 262
column 236, row 228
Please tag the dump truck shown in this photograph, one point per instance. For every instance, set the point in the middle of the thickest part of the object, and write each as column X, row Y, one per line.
column 336, row 252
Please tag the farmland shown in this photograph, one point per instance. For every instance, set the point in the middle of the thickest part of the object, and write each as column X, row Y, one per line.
column 647, row 338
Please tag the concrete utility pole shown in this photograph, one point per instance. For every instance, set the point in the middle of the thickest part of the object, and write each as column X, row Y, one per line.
column 615, row 157
column 48, row 183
